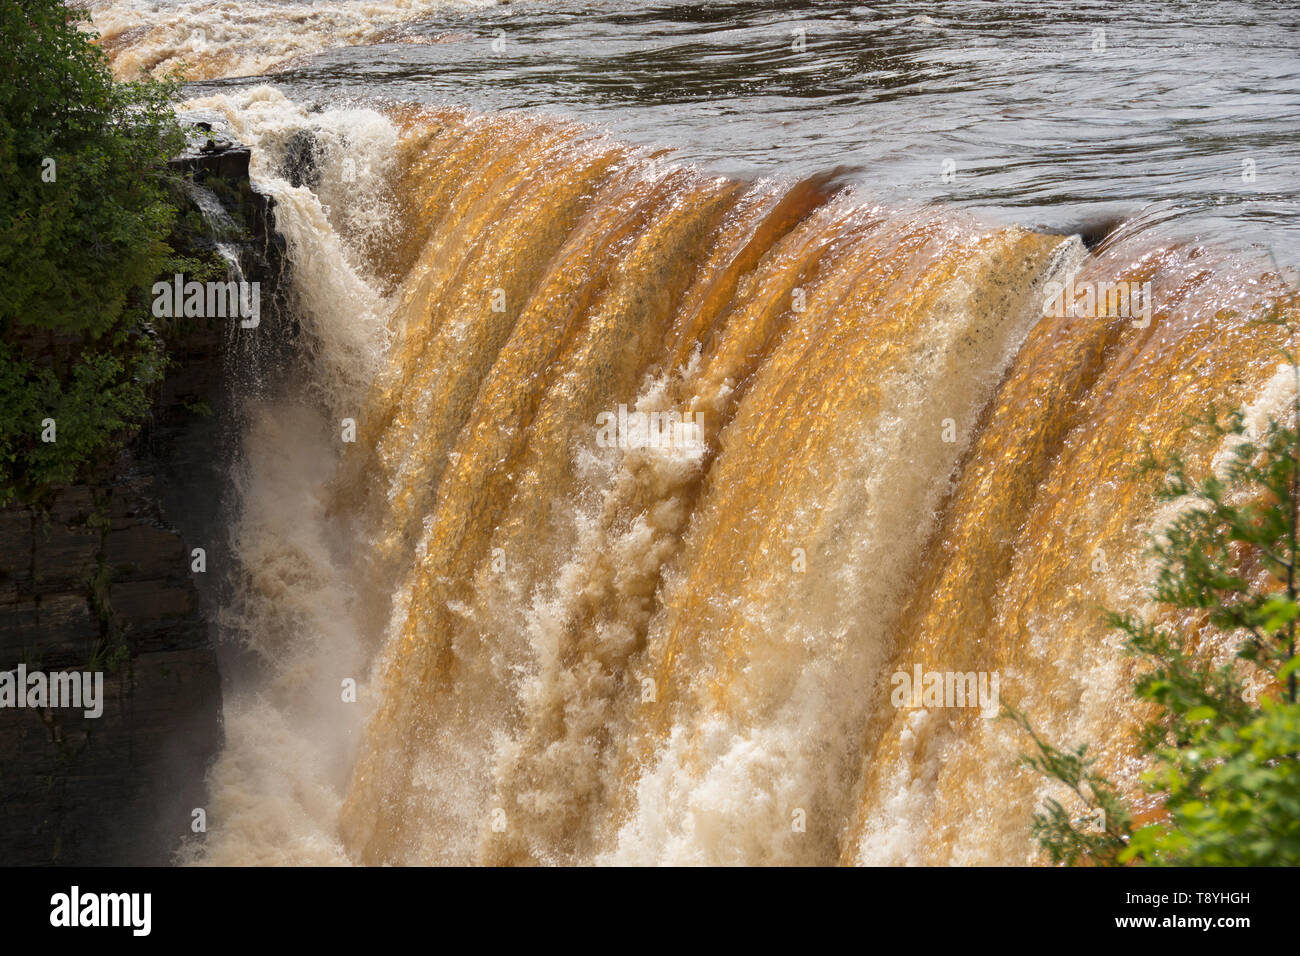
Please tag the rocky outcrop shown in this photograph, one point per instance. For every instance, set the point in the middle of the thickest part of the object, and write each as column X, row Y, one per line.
column 100, row 576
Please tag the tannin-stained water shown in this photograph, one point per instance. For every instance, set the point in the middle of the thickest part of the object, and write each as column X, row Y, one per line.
column 908, row 455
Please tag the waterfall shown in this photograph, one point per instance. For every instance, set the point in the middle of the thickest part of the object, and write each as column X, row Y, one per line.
column 915, row 448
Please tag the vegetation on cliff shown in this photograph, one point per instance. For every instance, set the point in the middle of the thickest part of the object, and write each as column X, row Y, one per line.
column 86, row 204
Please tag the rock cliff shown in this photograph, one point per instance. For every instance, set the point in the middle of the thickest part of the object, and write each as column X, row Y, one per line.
column 100, row 576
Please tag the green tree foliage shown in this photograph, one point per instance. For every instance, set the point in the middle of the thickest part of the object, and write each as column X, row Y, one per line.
column 85, row 209
column 1223, row 765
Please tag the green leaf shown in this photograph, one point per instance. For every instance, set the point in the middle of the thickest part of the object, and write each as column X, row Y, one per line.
column 1289, row 668
column 1279, row 611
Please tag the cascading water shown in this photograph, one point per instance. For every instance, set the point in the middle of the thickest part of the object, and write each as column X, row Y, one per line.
column 912, row 450
column 220, row 226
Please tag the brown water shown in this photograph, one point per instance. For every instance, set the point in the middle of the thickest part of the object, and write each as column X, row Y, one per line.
column 911, row 452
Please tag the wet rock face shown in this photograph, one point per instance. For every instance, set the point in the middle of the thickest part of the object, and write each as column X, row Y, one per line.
column 215, row 169
column 100, row 577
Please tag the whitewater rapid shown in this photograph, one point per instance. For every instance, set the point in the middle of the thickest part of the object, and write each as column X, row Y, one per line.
column 217, row 38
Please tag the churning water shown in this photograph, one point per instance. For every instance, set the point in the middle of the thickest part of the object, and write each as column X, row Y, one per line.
column 851, row 243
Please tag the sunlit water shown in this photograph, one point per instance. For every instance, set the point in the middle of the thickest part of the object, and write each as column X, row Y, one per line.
column 908, row 458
